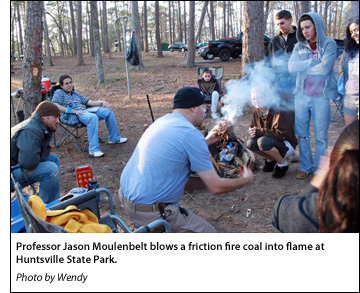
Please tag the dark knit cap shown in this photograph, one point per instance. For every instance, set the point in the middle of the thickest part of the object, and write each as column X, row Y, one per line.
column 46, row 108
column 188, row 97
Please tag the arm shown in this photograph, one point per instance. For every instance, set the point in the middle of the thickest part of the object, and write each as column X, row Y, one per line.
column 296, row 64
column 341, row 64
column 218, row 185
column 327, row 61
column 280, row 130
column 28, row 143
column 98, row 103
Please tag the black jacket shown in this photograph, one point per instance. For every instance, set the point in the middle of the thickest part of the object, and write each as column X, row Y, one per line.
column 30, row 143
column 278, row 45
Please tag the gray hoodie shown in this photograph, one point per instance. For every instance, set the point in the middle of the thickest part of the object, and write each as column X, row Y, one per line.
column 301, row 62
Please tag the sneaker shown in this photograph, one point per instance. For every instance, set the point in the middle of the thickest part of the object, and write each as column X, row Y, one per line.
column 269, row 166
column 302, row 174
column 122, row 140
column 214, row 116
column 293, row 158
column 96, row 154
column 280, row 171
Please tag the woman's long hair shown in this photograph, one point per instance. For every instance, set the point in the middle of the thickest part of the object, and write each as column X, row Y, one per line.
column 338, row 202
column 350, row 46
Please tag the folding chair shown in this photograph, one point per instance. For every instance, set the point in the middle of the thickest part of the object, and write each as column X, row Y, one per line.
column 339, row 101
column 218, row 72
column 71, row 132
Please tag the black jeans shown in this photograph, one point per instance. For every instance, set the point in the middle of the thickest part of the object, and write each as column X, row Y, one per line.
column 266, row 143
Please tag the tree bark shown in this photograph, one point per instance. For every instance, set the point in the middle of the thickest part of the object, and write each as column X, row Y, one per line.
column 212, row 21
column 136, row 18
column 191, row 34
column 105, row 29
column 47, row 40
column 304, row 7
column 180, row 26
column 224, row 19
column 20, row 31
column 203, row 11
column 185, row 30
column 157, row 25
column 170, row 24
column 253, row 38
column 97, row 45
column 73, row 27
column 354, row 8
column 80, row 59
column 146, row 27
column 31, row 66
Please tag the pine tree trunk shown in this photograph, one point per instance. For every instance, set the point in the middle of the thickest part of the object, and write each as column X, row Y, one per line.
column 31, row 66
column 136, row 18
column 73, row 27
column 180, row 26
column 157, row 25
column 146, row 27
column 224, row 19
column 185, row 30
column 97, row 45
column 80, row 59
column 212, row 21
column 191, row 34
column 20, row 31
column 170, row 24
column 47, row 40
column 105, row 29
column 203, row 11
column 253, row 38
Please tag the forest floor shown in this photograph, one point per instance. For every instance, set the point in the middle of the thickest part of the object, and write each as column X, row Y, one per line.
column 160, row 79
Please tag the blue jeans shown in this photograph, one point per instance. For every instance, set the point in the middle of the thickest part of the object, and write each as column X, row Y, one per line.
column 319, row 109
column 48, row 174
column 91, row 120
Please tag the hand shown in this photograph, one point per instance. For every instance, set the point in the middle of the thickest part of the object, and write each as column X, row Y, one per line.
column 77, row 112
column 105, row 104
column 246, row 173
column 217, row 131
column 252, row 131
column 322, row 171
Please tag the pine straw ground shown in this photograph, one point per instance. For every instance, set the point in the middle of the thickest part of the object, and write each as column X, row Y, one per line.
column 160, row 79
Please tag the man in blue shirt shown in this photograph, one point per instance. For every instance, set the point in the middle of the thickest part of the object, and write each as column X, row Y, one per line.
column 154, row 179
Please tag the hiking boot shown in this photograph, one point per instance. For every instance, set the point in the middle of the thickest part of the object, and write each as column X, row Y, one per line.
column 269, row 166
column 280, row 171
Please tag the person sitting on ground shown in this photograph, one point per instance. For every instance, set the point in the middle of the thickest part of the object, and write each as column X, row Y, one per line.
column 272, row 134
column 331, row 201
column 153, row 181
column 67, row 96
column 30, row 147
column 210, row 87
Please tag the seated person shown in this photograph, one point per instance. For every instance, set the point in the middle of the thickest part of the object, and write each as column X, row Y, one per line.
column 68, row 96
column 272, row 134
column 30, row 147
column 331, row 201
column 210, row 87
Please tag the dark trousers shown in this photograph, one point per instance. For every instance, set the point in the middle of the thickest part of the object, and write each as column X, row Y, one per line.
column 266, row 143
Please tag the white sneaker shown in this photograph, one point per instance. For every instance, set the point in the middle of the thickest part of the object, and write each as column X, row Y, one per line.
column 122, row 140
column 96, row 154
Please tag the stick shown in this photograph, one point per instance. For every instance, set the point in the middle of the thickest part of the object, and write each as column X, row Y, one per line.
column 151, row 112
column 214, row 163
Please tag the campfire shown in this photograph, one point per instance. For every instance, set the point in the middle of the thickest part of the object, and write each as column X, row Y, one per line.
column 230, row 154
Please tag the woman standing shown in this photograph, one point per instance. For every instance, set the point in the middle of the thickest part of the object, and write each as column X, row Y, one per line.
column 349, row 70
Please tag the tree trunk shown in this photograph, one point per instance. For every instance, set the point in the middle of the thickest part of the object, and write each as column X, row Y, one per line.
column 105, row 29
column 224, row 19
column 170, row 24
column 80, row 59
column 174, row 30
column 185, row 30
column 191, row 34
column 267, row 9
column 203, row 11
column 253, row 38
column 180, row 25
column 12, row 34
column 212, row 21
column 304, row 7
column 136, row 18
column 20, row 31
column 315, row 6
column 146, row 27
column 354, row 8
column 97, row 45
column 340, row 18
column 47, row 40
column 326, row 17
column 157, row 25
column 91, row 30
column 31, row 66
column 296, row 11
column 73, row 27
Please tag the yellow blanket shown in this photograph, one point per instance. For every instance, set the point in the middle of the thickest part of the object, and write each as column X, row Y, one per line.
column 71, row 219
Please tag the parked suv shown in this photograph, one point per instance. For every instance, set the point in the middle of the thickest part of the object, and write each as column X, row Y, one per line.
column 181, row 47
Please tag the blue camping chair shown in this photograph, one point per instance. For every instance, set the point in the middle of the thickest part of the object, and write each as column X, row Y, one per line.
column 339, row 101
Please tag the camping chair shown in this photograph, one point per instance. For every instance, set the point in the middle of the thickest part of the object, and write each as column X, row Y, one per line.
column 88, row 200
column 71, row 132
column 218, row 72
column 339, row 101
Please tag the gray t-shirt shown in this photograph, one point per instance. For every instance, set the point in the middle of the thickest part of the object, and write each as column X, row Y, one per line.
column 352, row 85
column 162, row 161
